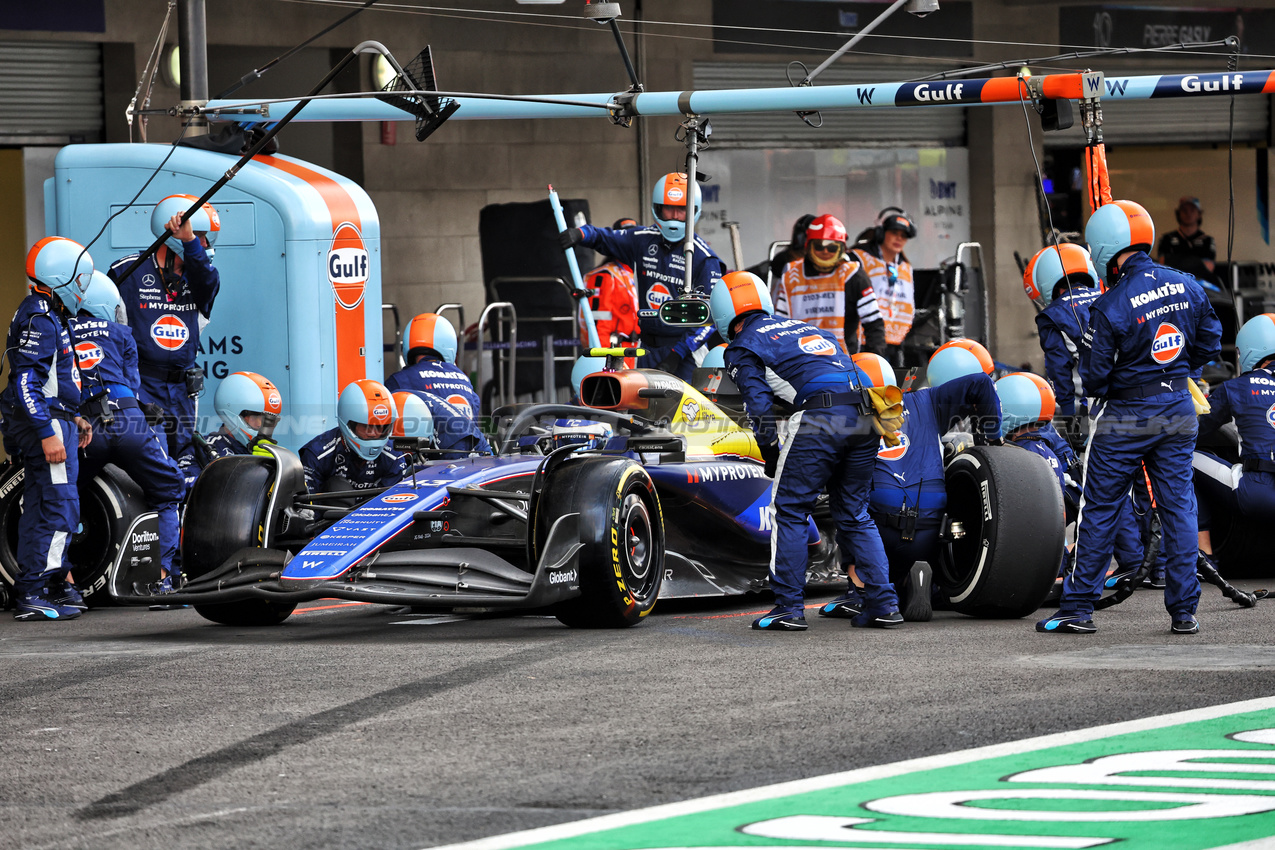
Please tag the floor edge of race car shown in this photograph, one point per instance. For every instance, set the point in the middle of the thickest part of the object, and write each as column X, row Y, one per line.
column 1039, row 833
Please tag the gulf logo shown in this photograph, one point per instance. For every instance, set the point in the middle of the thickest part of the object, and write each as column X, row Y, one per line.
column 815, row 344
column 674, row 194
column 348, row 265
column 380, row 415
column 1270, row 416
column 88, row 354
column 894, row 452
column 274, row 404
column 169, row 331
column 657, row 295
column 395, row 498
column 1167, row 345
column 462, row 404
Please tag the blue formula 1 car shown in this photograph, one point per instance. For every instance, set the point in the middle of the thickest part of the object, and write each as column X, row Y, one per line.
column 673, row 504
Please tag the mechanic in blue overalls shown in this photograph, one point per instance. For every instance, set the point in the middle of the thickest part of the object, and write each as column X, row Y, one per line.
column 1146, row 333
column 909, row 493
column 655, row 254
column 249, row 406
column 356, row 454
column 830, row 443
column 451, row 430
column 40, row 406
column 1247, row 488
column 169, row 299
column 429, row 350
column 107, row 357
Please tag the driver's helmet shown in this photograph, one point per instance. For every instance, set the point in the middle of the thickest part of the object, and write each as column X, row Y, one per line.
column 825, row 242
column 950, row 362
column 102, row 300
column 414, row 421
column 734, row 295
column 1049, row 266
column 715, row 358
column 668, row 195
column 583, row 368
column 62, row 267
column 365, row 402
column 1026, row 399
column 204, row 221
column 243, row 394
column 429, row 334
column 582, row 433
column 879, row 371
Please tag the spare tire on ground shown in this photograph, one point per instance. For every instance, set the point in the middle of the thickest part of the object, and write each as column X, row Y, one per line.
column 1008, row 502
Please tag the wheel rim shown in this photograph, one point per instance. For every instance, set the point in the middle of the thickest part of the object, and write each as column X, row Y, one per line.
column 639, row 546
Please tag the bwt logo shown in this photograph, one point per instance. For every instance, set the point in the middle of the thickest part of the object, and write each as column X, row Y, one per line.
column 940, row 189
column 169, row 332
column 348, row 265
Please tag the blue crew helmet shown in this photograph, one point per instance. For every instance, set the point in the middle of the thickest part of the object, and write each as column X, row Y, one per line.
column 429, row 333
column 668, row 205
column 1115, row 228
column 715, row 358
column 415, row 421
column 583, row 368
column 952, row 362
column 1026, row 399
column 369, row 404
column 249, row 405
column 61, row 266
column 204, row 221
column 1256, row 341
column 734, row 295
column 102, row 300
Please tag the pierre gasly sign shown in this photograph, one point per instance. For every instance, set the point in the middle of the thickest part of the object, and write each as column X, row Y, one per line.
column 1197, row 779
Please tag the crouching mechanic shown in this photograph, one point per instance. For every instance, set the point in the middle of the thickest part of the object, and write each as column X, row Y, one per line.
column 249, row 406
column 830, row 443
column 355, row 455
column 1146, row 333
column 655, row 255
column 1248, row 487
column 450, row 430
column 909, row 492
column 1063, row 281
column 429, row 350
column 40, row 406
column 107, row 357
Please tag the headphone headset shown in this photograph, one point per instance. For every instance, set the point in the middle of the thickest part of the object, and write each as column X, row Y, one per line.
column 878, row 232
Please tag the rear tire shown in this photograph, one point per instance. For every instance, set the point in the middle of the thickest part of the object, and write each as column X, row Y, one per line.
column 1009, row 503
column 226, row 512
column 622, row 529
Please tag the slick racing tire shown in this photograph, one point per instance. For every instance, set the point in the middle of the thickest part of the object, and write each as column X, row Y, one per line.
column 622, row 532
column 226, row 512
column 108, row 506
column 1008, row 501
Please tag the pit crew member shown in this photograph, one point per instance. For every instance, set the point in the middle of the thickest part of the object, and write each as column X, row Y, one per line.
column 40, row 406
column 249, row 406
column 169, row 300
column 818, row 288
column 830, row 443
column 1062, row 280
column 1189, row 248
column 429, row 350
column 355, row 455
column 655, row 254
column 1146, row 333
column 613, row 300
column 107, row 357
column 452, row 431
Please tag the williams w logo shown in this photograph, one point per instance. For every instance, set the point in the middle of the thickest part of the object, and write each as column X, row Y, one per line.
column 865, row 95
column 1117, row 87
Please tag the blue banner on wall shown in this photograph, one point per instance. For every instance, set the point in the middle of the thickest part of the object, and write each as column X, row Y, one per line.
column 55, row 16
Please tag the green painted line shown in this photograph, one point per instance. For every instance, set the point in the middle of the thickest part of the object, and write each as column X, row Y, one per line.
column 1187, row 781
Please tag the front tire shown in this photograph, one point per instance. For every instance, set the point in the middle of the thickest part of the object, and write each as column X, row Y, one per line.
column 622, row 532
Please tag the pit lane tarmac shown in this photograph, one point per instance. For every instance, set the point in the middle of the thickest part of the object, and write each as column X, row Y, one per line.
column 367, row 726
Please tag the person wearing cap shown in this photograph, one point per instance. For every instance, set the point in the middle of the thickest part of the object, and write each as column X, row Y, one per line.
column 1151, row 327
column 1189, row 248
column 880, row 251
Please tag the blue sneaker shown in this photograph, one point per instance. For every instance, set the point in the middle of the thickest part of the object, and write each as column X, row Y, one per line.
column 1185, row 624
column 782, row 620
column 1067, row 624
column 168, row 584
column 845, row 606
column 877, row 619
column 38, row 606
column 63, row 592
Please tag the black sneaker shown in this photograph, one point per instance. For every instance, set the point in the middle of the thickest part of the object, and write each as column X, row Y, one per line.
column 781, row 620
column 1067, row 624
column 1185, row 624
column 917, row 592
column 877, row 620
column 65, row 593
column 843, row 607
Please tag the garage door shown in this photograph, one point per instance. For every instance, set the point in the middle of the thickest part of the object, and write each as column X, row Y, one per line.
column 50, row 92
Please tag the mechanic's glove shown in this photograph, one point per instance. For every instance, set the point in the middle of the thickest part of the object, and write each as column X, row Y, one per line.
column 671, row 363
column 1197, row 396
column 770, row 455
column 153, row 412
column 258, row 446
column 570, row 237
column 887, row 416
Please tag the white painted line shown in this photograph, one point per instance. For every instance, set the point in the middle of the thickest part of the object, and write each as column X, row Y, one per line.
column 865, row 774
column 430, row 620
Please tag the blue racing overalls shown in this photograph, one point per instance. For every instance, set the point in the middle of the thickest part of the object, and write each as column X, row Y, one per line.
column 220, row 443
column 1146, row 334
column 327, row 457
column 830, row 443
column 440, row 379
column 1061, row 327
column 455, row 433
column 1247, row 487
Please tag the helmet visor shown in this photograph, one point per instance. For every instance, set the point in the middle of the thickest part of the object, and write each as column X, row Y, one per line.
column 669, row 212
column 825, row 246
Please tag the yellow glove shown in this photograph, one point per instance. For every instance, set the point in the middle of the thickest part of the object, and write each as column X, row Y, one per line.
column 1197, row 397
column 888, row 418
column 259, row 447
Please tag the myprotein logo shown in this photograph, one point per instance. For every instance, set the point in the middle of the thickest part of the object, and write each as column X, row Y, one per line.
column 170, row 332
column 657, row 295
column 348, row 265
column 88, row 354
column 894, row 452
column 815, row 344
column 1168, row 344
column 461, row 403
column 396, row 498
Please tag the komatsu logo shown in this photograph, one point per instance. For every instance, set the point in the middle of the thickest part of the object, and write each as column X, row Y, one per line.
column 348, row 265
column 938, row 94
column 1156, row 294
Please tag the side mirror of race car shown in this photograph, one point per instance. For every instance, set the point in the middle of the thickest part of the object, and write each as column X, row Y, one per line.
column 685, row 313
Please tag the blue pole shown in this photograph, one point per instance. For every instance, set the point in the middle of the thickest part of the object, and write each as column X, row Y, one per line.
column 590, row 328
